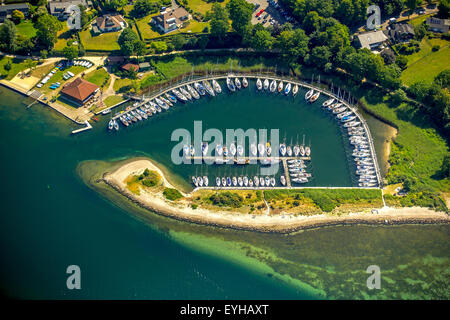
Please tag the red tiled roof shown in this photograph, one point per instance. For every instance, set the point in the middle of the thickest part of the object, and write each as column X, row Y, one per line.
column 79, row 89
column 130, row 66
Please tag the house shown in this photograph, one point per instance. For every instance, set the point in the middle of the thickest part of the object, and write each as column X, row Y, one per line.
column 60, row 8
column 115, row 60
column 144, row 66
column 372, row 40
column 171, row 19
column 130, row 66
column 7, row 10
column 109, row 23
column 79, row 91
column 438, row 25
column 400, row 32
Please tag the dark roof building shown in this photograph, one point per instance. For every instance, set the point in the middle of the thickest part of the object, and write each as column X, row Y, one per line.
column 372, row 40
column 110, row 23
column 7, row 10
column 400, row 32
column 79, row 91
column 438, row 25
column 171, row 19
column 59, row 8
column 144, row 66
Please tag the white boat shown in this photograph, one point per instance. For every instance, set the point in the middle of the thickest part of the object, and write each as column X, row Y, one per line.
column 287, row 89
column 253, row 150
column 219, row 150
column 259, row 84
column 193, row 92
column 309, row 94
column 195, row 181
column 237, row 82
column 170, row 104
column 289, row 151
column 179, row 95
column 244, row 82
column 192, row 150
column 283, row 180
column 245, row 181
column 272, row 182
column 328, row 102
column 250, row 183
column 282, row 149
column 267, row 181
column 205, row 181
column 261, row 181
column 200, row 89
column 234, row 180
column 232, row 149
column 307, row 151
column 185, row 93
column 273, row 86
column 240, row 150
column 216, row 86
column 266, row 84
column 315, row 97
column 204, row 148
column 218, row 181
column 280, row 86
column 256, row 180
column 295, row 90
column 208, row 88
column 231, row 85
column 302, row 151
column 261, row 149
column 240, row 181
column 200, row 181
column 224, row 181
column 268, row 149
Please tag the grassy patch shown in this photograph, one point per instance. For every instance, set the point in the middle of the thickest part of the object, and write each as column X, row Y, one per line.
column 63, row 36
column 26, row 29
column 58, row 77
column 99, row 77
column 426, row 64
column 104, row 41
column 172, row 194
column 121, row 83
column 203, row 6
column 113, row 100
column 17, row 65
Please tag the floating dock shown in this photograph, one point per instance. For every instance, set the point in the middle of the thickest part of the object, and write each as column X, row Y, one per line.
column 87, row 127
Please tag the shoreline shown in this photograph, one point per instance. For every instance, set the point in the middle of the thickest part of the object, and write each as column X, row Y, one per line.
column 260, row 223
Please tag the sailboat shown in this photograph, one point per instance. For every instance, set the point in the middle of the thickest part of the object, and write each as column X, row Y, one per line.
column 240, row 150
column 261, row 149
column 280, row 86
column 266, row 84
column 289, row 151
column 219, row 150
column 216, row 86
column 244, row 82
column 283, row 180
column 245, row 181
column 199, row 88
column 240, row 181
column 204, row 148
column 273, row 86
column 232, row 149
column 193, row 92
column 253, row 150
column 328, row 102
column 230, row 85
column 287, row 89
column 208, row 88
column 295, row 90
column 185, row 93
column 205, row 181
column 314, row 97
column 218, row 181
column 309, row 94
column 237, row 83
column 268, row 149
column 258, row 84
column 282, row 149
column 256, row 180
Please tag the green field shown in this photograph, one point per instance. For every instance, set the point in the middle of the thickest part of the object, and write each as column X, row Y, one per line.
column 202, row 6
column 17, row 65
column 99, row 77
column 426, row 64
column 26, row 29
column 418, row 149
column 104, row 41
column 58, row 77
column 112, row 100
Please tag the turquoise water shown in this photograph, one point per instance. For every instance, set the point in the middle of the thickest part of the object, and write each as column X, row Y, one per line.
column 51, row 219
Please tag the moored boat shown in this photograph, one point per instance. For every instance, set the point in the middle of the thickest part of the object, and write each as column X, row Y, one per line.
column 244, row 82
column 266, row 84
column 259, row 84
column 230, row 85
column 309, row 94
column 287, row 89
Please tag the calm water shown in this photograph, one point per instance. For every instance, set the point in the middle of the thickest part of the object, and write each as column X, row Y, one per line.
column 51, row 219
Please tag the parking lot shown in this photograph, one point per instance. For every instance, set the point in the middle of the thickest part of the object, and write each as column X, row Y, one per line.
column 269, row 16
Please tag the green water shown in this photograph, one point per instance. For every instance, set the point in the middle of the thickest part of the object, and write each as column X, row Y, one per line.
column 51, row 219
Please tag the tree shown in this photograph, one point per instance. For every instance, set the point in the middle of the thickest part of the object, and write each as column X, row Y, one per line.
column 43, row 54
column 142, row 8
column 311, row 23
column 8, row 65
column 319, row 56
column 8, row 33
column 445, row 168
column 443, row 79
column 17, row 16
column 402, row 61
column 397, row 97
column 70, row 52
column 130, row 43
column 294, row 44
column 140, row 48
column 444, row 9
column 240, row 15
column 262, row 40
column 219, row 21
column 159, row 46
column 412, row 5
column 116, row 5
column 203, row 41
column 345, row 13
column 47, row 30
column 179, row 41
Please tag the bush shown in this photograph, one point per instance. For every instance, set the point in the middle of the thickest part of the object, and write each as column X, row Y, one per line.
column 172, row 194
column 402, row 62
column 194, row 206
column 227, row 199
column 149, row 178
column 435, row 48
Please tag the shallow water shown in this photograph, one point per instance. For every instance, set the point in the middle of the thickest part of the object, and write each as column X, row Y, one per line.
column 52, row 219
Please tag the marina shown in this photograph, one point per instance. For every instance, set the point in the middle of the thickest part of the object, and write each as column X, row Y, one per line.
column 354, row 125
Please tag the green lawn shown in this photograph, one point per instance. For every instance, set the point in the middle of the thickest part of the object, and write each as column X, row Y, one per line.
column 100, row 77
column 119, row 83
column 113, row 100
column 17, row 65
column 104, row 41
column 202, row 6
column 426, row 64
column 26, row 29
column 58, row 77
column 63, row 36
column 418, row 149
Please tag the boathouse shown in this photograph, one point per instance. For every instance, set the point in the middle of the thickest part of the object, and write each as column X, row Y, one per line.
column 79, row 91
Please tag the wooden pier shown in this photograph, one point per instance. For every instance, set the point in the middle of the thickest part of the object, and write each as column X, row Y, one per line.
column 286, row 173
column 244, row 160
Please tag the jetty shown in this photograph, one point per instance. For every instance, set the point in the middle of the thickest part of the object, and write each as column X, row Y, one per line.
column 286, row 173
column 87, row 127
column 245, row 159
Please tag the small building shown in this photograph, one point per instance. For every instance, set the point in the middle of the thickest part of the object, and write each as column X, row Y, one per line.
column 400, row 32
column 438, row 25
column 144, row 66
column 130, row 66
column 109, row 23
column 115, row 60
column 60, row 8
column 372, row 40
column 7, row 10
column 79, row 91
column 171, row 19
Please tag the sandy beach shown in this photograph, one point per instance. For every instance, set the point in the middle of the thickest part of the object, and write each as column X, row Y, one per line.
column 263, row 223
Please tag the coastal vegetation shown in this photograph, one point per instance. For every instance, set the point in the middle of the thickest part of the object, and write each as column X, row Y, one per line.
column 149, row 179
column 172, row 194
